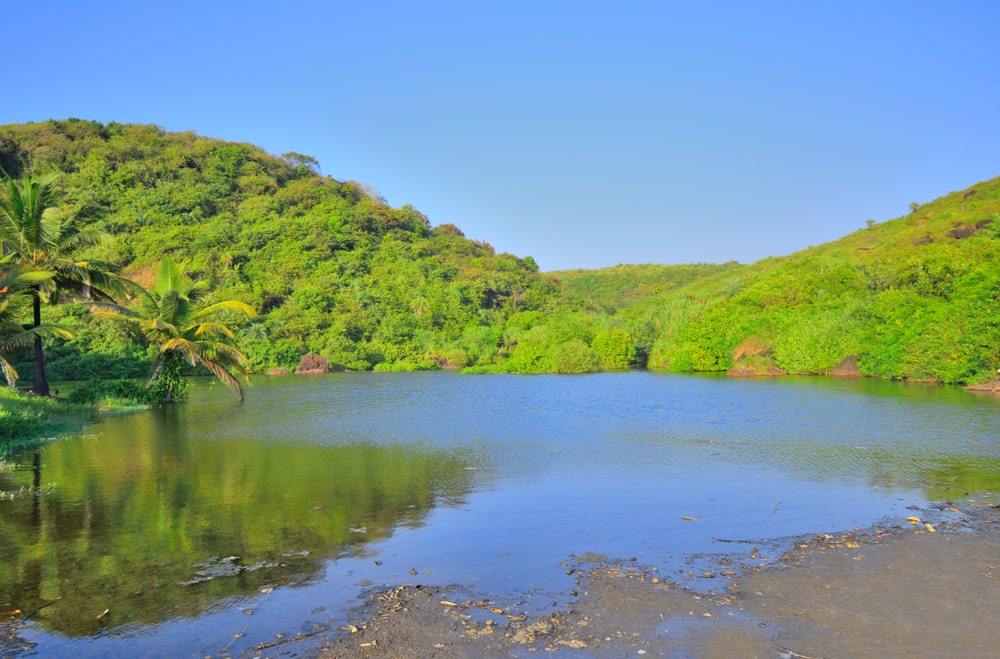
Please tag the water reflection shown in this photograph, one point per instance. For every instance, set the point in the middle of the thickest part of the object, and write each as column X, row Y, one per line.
column 137, row 514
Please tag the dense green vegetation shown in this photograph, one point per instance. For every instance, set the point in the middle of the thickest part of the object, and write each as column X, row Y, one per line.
column 333, row 270
column 917, row 297
column 43, row 261
column 608, row 290
column 40, row 234
column 175, row 318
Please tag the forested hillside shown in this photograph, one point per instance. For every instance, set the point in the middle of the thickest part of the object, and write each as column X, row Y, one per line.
column 916, row 297
column 335, row 271
column 608, row 290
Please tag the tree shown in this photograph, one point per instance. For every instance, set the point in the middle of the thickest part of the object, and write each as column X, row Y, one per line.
column 175, row 316
column 16, row 284
column 42, row 236
column 301, row 161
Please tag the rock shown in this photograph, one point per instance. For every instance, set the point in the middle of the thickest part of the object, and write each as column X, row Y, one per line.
column 754, row 370
column 847, row 368
column 992, row 387
column 962, row 231
column 277, row 371
column 228, row 566
column 528, row 633
column 313, row 365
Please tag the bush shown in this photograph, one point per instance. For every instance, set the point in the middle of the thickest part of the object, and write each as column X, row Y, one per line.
column 15, row 425
column 96, row 391
column 615, row 349
column 574, row 357
column 404, row 367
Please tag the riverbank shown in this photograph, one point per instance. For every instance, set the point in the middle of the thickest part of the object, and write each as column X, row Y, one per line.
column 26, row 420
column 913, row 589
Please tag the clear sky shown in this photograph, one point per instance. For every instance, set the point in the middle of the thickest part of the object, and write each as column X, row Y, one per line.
column 581, row 134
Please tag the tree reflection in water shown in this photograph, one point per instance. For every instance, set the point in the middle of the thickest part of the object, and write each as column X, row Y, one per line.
column 134, row 517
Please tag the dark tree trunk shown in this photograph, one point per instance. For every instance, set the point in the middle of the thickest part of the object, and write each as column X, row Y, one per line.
column 41, row 386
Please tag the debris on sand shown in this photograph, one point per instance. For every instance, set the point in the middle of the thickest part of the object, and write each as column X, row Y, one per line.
column 828, row 595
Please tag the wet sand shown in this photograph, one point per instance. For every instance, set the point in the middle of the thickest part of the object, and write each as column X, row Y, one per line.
column 899, row 591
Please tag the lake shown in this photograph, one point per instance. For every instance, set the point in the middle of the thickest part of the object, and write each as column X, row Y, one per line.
column 215, row 526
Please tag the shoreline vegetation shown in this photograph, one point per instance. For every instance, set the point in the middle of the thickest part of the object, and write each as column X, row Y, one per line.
column 161, row 255
column 27, row 421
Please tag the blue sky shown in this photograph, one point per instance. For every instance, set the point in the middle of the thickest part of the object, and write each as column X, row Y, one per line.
column 581, row 134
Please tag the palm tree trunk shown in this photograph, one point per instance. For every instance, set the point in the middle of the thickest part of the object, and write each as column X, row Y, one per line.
column 41, row 386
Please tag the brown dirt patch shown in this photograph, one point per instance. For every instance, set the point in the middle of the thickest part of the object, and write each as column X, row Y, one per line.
column 847, row 368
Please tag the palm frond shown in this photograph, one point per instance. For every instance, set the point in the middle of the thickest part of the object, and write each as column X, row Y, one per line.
column 9, row 372
column 224, row 376
column 185, row 347
column 202, row 329
column 226, row 305
column 24, row 337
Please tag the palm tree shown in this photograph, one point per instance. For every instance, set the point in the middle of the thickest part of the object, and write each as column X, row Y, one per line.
column 16, row 284
column 43, row 236
column 174, row 315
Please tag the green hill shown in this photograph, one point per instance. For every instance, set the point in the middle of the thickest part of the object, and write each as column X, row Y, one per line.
column 333, row 268
column 916, row 297
column 338, row 272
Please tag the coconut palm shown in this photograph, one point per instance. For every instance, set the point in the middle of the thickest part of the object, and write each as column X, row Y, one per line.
column 43, row 236
column 16, row 284
column 175, row 316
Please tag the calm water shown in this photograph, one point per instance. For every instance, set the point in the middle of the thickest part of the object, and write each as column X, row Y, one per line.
column 323, row 487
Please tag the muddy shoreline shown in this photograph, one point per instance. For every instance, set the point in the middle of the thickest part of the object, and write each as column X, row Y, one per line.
column 918, row 588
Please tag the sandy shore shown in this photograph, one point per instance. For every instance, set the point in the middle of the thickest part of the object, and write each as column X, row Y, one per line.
column 907, row 590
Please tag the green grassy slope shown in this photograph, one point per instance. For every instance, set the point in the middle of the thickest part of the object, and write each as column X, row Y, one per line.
column 607, row 290
column 917, row 297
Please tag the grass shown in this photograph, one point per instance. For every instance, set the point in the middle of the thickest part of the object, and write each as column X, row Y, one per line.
column 26, row 420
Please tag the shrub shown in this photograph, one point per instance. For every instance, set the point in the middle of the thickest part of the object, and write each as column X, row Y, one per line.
column 615, row 349
column 96, row 391
column 574, row 356
column 404, row 367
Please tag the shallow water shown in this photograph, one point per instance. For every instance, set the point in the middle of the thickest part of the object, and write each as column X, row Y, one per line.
column 215, row 526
